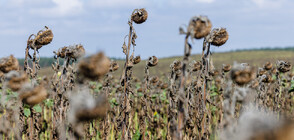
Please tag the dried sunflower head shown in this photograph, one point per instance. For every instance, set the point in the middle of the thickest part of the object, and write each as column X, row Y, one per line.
column 218, row 36
column 261, row 72
column 76, row 51
column 140, row 89
column 61, row 52
column 164, row 86
column 199, row 26
column 226, row 67
column 137, row 60
column 32, row 95
column 284, row 66
column 113, row 66
column 73, row 52
column 213, row 72
column 85, row 107
column 266, row 78
column 176, row 65
column 139, row 16
column 94, row 67
column 196, row 65
column 152, row 61
column 8, row 64
column 16, row 80
column 268, row 66
column 242, row 74
column 154, row 79
column 43, row 37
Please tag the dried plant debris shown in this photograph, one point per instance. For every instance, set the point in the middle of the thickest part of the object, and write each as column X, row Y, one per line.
column 32, row 95
column 16, row 80
column 8, row 64
column 242, row 74
column 72, row 52
column 94, row 67
column 199, row 27
column 85, row 107
column 139, row 16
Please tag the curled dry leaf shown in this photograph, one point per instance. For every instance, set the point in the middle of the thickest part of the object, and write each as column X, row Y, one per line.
column 8, row 64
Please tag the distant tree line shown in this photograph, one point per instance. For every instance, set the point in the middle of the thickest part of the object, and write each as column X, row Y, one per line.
column 267, row 49
column 48, row 61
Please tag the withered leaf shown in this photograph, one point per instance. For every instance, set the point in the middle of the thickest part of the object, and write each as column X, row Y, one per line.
column 182, row 31
column 124, row 47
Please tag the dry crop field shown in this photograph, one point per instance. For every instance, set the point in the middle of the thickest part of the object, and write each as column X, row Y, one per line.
column 194, row 97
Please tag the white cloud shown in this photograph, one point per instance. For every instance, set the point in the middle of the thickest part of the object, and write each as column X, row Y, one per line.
column 188, row 2
column 205, row 1
column 61, row 8
column 22, row 3
column 13, row 31
column 268, row 3
column 117, row 3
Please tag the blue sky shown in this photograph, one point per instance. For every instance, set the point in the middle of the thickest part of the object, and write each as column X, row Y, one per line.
column 101, row 25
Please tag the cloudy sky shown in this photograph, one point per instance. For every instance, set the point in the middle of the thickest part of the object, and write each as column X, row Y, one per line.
column 101, row 25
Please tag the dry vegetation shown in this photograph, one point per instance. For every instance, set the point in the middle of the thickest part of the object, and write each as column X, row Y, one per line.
column 206, row 97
